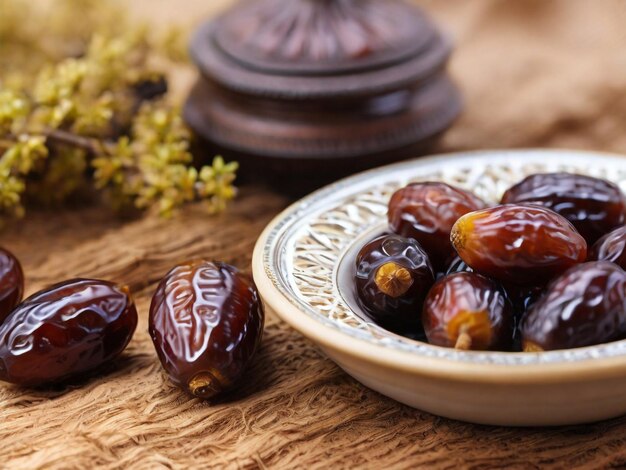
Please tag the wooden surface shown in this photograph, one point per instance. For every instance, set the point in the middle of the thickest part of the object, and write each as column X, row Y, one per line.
column 540, row 73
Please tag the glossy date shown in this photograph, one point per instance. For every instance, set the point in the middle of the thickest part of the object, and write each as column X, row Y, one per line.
column 593, row 205
column 11, row 283
column 468, row 311
column 426, row 212
column 582, row 307
column 393, row 276
column 65, row 331
column 522, row 244
column 206, row 322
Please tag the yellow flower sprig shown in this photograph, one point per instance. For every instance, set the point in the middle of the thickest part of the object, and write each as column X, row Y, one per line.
column 98, row 116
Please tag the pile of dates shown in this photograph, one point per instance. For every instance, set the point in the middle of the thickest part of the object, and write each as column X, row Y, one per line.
column 206, row 322
column 543, row 270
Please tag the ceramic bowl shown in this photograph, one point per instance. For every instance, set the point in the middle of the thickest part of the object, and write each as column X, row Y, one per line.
column 303, row 266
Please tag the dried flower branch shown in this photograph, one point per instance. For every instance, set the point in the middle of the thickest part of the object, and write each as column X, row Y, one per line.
column 99, row 115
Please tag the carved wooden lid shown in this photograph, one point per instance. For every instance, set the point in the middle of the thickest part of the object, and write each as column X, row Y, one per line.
column 319, row 48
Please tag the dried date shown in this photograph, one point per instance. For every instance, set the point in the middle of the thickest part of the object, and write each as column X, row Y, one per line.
column 468, row 311
column 206, row 322
column 593, row 205
column 65, row 331
column 393, row 276
column 522, row 244
column 582, row 307
column 11, row 283
column 426, row 212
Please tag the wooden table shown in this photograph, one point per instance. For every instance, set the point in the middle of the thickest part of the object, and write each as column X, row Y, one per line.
column 525, row 84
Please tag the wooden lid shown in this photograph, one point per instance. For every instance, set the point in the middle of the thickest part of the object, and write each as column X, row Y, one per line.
column 319, row 48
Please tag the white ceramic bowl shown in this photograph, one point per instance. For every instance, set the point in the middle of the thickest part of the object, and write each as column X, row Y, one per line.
column 303, row 268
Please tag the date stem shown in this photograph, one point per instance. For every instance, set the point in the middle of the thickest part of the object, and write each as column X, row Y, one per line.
column 393, row 280
column 464, row 341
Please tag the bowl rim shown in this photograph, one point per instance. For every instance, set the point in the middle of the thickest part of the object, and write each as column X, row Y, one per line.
column 329, row 338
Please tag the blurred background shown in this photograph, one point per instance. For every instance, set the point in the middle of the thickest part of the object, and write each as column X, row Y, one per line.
column 532, row 72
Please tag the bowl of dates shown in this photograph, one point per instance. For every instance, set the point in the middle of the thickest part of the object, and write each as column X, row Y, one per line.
column 483, row 286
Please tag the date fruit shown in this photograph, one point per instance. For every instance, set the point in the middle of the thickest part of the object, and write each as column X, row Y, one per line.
column 611, row 247
column 65, row 331
column 11, row 283
column 426, row 212
column 393, row 276
column 468, row 311
column 594, row 206
column 206, row 323
column 586, row 305
column 522, row 244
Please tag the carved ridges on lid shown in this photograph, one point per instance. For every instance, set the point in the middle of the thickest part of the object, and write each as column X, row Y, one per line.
column 321, row 31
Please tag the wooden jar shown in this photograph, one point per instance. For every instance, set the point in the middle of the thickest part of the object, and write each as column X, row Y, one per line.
column 304, row 91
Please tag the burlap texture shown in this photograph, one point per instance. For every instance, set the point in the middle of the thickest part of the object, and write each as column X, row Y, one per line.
column 533, row 72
